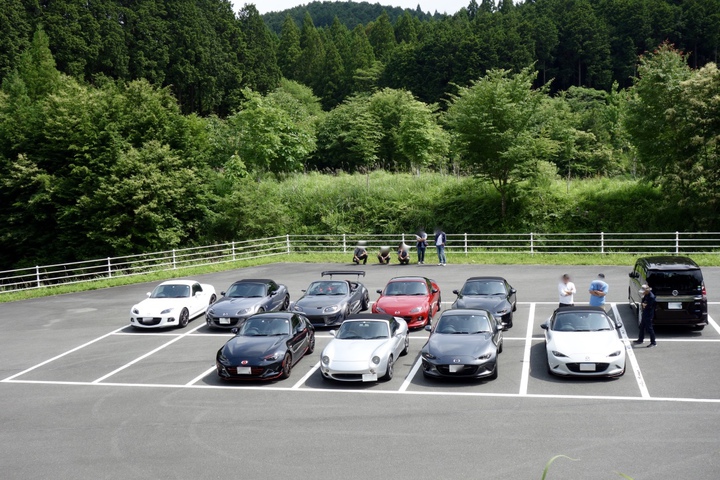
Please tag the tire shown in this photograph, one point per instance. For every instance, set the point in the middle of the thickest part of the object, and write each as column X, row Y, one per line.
column 495, row 373
column 213, row 298
column 500, row 347
column 311, row 345
column 407, row 346
column 439, row 305
column 365, row 303
column 286, row 366
column 514, row 309
column 261, row 310
column 347, row 313
column 286, row 303
column 184, row 318
column 510, row 322
column 390, row 370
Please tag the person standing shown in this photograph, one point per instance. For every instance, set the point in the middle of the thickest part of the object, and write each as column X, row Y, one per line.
column 648, row 315
column 440, row 241
column 598, row 291
column 360, row 254
column 567, row 291
column 421, row 239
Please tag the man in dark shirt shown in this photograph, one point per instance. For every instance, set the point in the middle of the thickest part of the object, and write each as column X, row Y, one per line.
column 403, row 255
column 360, row 254
column 648, row 314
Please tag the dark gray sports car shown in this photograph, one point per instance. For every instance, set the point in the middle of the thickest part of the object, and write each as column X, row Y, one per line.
column 330, row 302
column 245, row 298
column 463, row 343
column 494, row 294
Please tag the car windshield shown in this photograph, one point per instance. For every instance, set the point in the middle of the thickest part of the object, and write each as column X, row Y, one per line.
column 171, row 291
column 463, row 324
column 484, row 287
column 363, row 330
column 405, row 288
column 581, row 322
column 265, row 327
column 327, row 288
column 246, row 290
column 684, row 281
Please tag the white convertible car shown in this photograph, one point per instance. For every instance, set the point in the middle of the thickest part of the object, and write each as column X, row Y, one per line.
column 365, row 348
column 583, row 341
column 172, row 304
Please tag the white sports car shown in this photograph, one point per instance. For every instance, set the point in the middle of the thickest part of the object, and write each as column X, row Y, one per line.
column 172, row 304
column 583, row 341
column 365, row 348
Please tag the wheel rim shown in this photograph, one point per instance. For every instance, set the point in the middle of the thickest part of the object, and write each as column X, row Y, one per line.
column 390, row 368
column 286, row 303
column 212, row 299
column 407, row 343
column 287, row 365
column 183, row 318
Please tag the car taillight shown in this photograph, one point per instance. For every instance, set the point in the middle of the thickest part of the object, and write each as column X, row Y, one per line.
column 704, row 292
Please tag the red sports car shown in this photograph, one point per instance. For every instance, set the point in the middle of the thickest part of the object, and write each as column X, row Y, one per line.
column 415, row 299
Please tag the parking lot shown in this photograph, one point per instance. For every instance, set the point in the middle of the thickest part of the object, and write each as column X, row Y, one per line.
column 64, row 352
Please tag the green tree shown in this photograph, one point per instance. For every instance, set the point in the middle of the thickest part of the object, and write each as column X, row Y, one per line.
column 405, row 30
column 261, row 67
column 498, row 129
column 382, row 37
column 289, row 49
column 313, row 53
column 14, row 33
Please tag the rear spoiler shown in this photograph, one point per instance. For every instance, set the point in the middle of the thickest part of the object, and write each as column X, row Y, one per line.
column 330, row 273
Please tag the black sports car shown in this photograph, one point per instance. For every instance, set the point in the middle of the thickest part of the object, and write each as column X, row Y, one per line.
column 245, row 298
column 493, row 294
column 463, row 343
column 329, row 302
column 266, row 347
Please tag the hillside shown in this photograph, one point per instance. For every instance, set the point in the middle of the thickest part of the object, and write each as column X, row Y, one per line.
column 351, row 14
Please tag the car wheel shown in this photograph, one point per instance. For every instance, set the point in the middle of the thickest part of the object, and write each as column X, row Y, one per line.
column 514, row 309
column 510, row 322
column 495, row 373
column 184, row 318
column 407, row 346
column 390, row 370
column 347, row 312
column 212, row 299
column 286, row 303
column 311, row 345
column 500, row 347
column 286, row 366
column 439, row 307
column 261, row 310
column 365, row 303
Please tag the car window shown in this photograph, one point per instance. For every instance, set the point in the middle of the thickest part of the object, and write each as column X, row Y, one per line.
column 363, row 330
column 401, row 288
column 296, row 324
column 484, row 287
column 171, row 291
column 581, row 322
column 328, row 288
column 666, row 281
column 246, row 290
column 463, row 324
column 272, row 287
column 196, row 288
column 261, row 326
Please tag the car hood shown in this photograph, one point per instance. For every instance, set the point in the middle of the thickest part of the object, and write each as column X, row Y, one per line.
column 441, row 345
column 401, row 303
column 586, row 343
column 153, row 306
column 230, row 306
column 352, row 350
column 245, row 348
column 485, row 302
column 320, row 301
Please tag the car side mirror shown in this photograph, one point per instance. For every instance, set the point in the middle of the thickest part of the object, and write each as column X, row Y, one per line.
column 618, row 325
column 379, row 291
column 513, row 291
column 544, row 326
column 456, row 292
column 235, row 330
column 428, row 328
column 222, row 294
column 332, row 332
column 148, row 294
column 399, row 334
column 435, row 290
column 303, row 291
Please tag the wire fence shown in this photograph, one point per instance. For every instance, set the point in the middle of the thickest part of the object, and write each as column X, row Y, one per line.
column 677, row 243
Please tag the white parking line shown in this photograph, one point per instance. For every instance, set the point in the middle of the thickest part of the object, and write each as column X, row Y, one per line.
column 61, row 355
column 151, row 352
column 411, row 375
column 714, row 324
column 306, row 376
column 201, row 376
column 526, row 355
column 630, row 354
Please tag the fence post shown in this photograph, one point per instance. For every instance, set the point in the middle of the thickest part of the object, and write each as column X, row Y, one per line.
column 602, row 242
column 37, row 275
column 466, row 244
column 174, row 265
column 287, row 242
column 403, row 238
column 344, row 244
column 233, row 250
column 532, row 243
column 109, row 268
column 677, row 243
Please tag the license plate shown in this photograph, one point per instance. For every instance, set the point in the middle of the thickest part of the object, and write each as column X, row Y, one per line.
column 587, row 367
column 456, row 368
column 675, row 306
column 224, row 321
column 243, row 370
column 369, row 377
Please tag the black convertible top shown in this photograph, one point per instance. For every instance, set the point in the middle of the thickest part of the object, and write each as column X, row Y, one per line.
column 580, row 308
column 255, row 280
column 370, row 316
column 488, row 277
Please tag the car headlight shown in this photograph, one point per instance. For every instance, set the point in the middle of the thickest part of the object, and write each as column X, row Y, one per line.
column 485, row 357
column 326, row 360
column 244, row 311
column 273, row 357
column 136, row 311
column 503, row 311
column 615, row 354
column 380, row 309
column 167, row 310
column 428, row 355
column 558, row 354
column 376, row 360
column 223, row 359
column 297, row 308
column 211, row 311
column 416, row 310
column 331, row 309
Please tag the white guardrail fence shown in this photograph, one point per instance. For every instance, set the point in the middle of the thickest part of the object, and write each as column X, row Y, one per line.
column 464, row 243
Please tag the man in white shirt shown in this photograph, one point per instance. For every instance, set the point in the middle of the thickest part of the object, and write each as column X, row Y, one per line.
column 567, row 290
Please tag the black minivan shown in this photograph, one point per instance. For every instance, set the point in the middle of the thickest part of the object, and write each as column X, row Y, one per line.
column 678, row 285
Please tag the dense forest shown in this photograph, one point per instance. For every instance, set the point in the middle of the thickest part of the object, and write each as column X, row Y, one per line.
column 146, row 125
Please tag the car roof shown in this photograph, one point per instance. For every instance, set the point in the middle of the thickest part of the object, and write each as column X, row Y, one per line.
column 580, row 308
column 670, row 262
column 179, row 282
column 371, row 316
column 409, row 278
column 486, row 278
column 255, row 280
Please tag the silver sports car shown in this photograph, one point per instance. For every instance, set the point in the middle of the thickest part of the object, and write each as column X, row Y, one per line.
column 245, row 298
column 330, row 302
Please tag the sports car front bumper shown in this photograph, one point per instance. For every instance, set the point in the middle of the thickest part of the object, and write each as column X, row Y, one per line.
column 330, row 320
column 478, row 369
column 353, row 371
column 587, row 365
column 161, row 321
column 256, row 372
